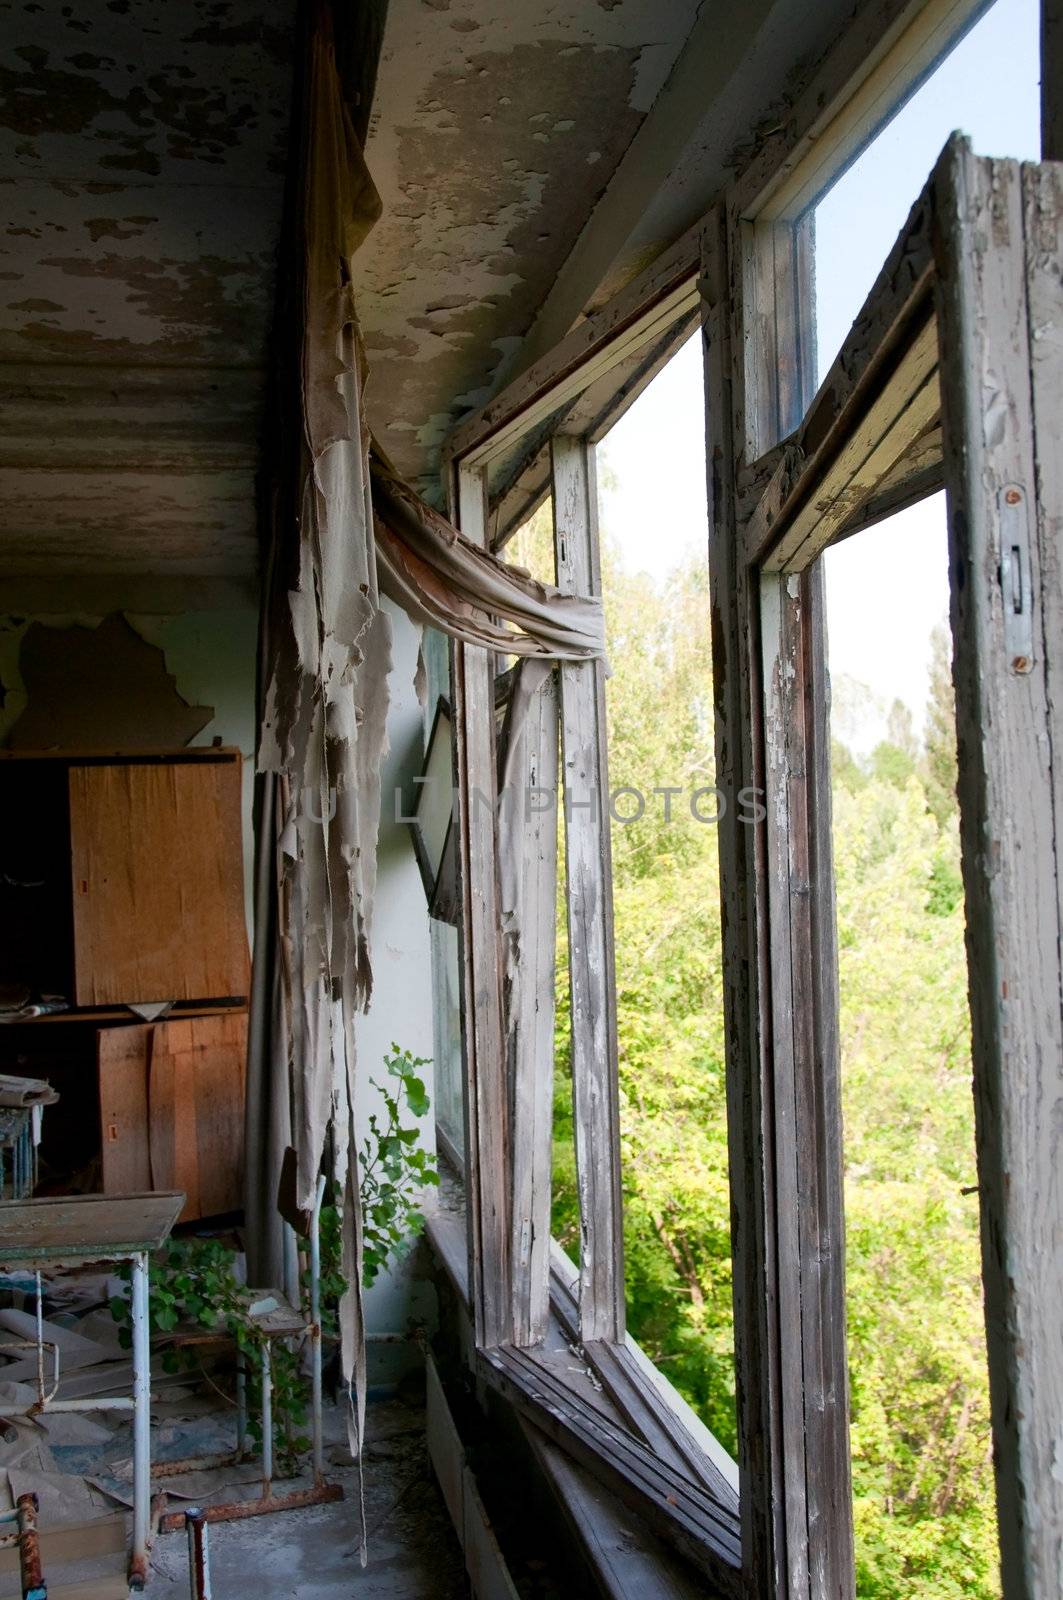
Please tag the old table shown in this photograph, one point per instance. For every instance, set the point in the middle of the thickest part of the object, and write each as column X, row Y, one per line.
column 71, row 1231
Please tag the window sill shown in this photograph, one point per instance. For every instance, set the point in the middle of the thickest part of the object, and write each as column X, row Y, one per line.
column 615, row 1418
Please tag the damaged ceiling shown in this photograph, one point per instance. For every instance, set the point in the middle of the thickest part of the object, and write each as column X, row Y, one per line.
column 142, row 148
column 495, row 130
column 529, row 159
column 532, row 159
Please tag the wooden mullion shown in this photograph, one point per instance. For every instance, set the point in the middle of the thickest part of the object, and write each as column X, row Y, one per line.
column 530, row 1019
column 588, row 864
column 487, row 1131
column 820, row 502
column 780, row 968
column 751, row 1154
column 623, row 1379
column 637, row 316
column 1000, row 312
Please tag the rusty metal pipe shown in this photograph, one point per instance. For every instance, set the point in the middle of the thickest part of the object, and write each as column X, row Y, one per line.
column 198, row 1553
column 208, row 1463
column 237, row 1510
column 29, row 1549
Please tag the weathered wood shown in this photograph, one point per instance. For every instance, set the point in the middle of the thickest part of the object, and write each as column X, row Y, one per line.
column 445, row 1449
column 878, row 399
column 525, row 485
column 919, row 473
column 588, row 863
column 735, row 674
column 123, row 1057
column 627, row 1561
column 779, row 968
column 487, row 1133
column 582, row 1410
column 519, row 491
column 823, row 498
column 876, row 60
column 484, row 1562
column 529, row 1000
column 71, row 1228
column 73, row 1541
column 1001, row 312
column 639, row 314
column 195, row 1112
column 157, row 875
column 686, row 1515
column 647, row 1407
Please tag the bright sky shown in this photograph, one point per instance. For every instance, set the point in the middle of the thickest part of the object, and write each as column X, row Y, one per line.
column 887, row 587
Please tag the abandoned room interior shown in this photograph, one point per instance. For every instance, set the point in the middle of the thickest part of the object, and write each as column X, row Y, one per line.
column 351, row 1051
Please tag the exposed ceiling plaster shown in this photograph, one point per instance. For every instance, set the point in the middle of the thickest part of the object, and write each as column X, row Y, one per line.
column 142, row 148
column 529, row 157
column 495, row 129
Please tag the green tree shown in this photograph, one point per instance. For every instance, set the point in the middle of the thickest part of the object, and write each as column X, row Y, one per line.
column 922, row 1478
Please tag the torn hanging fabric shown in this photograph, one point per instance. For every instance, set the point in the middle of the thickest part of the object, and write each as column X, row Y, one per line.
column 326, row 658
column 326, row 693
column 445, row 581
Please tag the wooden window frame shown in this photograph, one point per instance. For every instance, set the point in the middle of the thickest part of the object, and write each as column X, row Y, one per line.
column 947, row 365
column 744, row 272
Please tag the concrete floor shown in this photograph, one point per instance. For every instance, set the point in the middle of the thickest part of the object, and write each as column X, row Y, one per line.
column 311, row 1554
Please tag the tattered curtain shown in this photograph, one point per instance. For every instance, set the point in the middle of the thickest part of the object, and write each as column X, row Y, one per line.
column 340, row 536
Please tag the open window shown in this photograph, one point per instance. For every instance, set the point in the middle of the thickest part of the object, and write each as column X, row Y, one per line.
column 949, row 374
column 940, row 382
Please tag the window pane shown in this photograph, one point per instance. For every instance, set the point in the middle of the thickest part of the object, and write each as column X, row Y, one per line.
column 446, row 989
column 922, row 1472
column 989, row 88
column 666, row 890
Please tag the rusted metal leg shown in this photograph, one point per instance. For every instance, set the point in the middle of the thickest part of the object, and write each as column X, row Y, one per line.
column 29, row 1550
column 198, row 1553
column 237, row 1510
column 315, row 1332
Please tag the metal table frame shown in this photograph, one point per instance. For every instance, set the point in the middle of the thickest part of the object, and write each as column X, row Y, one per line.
column 74, row 1231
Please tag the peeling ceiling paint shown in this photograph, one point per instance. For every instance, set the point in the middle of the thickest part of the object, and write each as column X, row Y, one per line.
column 495, row 130
column 142, row 151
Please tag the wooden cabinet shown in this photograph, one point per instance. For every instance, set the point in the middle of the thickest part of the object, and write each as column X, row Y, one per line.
column 157, row 872
column 121, row 884
column 172, row 1110
column 122, row 877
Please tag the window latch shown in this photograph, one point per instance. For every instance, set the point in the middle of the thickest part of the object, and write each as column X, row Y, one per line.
column 1015, row 576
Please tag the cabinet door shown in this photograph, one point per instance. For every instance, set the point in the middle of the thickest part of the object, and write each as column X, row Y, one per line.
column 122, row 1060
column 196, row 1112
column 157, row 869
column 172, row 1110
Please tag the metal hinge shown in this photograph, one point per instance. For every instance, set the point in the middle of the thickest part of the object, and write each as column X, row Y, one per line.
column 1016, row 581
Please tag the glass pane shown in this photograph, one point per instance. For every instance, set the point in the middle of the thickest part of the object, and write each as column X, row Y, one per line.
column 988, row 86
column 922, row 1471
column 666, row 890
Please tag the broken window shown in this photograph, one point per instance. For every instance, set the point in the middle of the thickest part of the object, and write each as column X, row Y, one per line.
column 945, row 354
column 792, row 471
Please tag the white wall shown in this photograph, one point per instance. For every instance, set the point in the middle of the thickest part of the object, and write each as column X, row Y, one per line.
column 401, row 1007
column 212, row 655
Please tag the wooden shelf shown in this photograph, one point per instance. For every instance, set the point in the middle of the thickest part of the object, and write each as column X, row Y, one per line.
column 124, row 1014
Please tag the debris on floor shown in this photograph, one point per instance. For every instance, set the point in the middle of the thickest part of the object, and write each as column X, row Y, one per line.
column 78, row 1465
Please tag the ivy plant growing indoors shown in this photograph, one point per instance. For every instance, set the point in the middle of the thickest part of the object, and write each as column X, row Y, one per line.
column 193, row 1282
